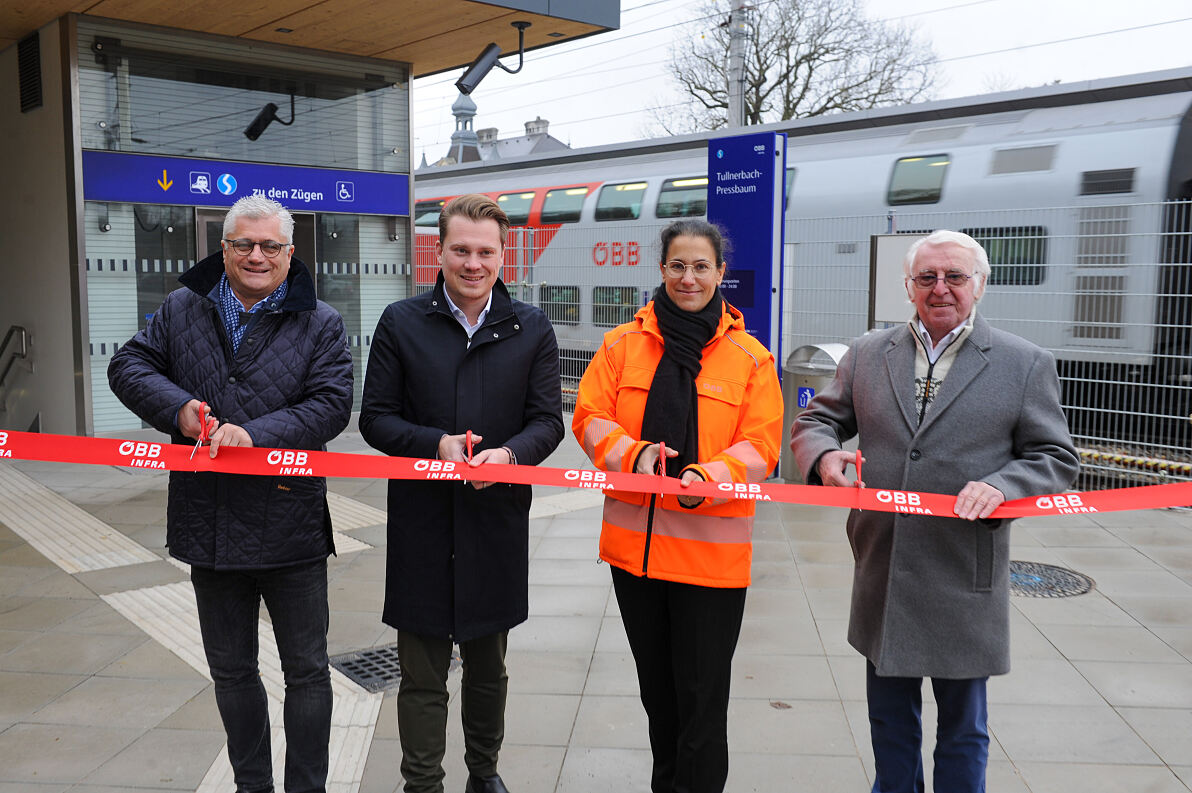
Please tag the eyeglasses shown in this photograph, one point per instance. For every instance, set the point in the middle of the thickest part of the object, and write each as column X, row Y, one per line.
column 701, row 269
column 928, row 280
column 269, row 248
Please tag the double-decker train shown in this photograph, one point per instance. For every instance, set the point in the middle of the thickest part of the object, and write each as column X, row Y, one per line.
column 1081, row 194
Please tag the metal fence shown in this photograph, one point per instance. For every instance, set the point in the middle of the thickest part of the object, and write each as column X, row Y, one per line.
column 1106, row 287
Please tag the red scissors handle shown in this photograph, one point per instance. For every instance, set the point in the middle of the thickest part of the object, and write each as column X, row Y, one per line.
column 859, row 479
column 204, row 423
column 468, row 444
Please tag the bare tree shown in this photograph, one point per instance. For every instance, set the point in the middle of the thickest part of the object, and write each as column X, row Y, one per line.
column 803, row 58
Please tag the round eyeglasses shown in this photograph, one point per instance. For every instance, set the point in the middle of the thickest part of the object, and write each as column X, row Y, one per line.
column 928, row 280
column 244, row 246
column 700, row 269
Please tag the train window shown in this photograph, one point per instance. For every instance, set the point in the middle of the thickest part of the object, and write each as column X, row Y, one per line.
column 620, row 201
column 517, row 207
column 560, row 304
column 918, row 180
column 1017, row 254
column 683, row 198
column 1023, row 159
column 563, row 206
column 1118, row 180
column 790, row 185
column 613, row 305
column 426, row 213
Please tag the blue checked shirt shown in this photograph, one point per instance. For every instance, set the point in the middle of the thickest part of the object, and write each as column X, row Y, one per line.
column 236, row 320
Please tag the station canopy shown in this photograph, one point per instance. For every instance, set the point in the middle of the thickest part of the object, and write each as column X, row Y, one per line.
column 433, row 35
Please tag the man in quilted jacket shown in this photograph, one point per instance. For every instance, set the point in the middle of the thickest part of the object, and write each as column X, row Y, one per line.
column 245, row 346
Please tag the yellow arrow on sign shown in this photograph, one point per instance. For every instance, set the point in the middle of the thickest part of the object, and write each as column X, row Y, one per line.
column 164, row 181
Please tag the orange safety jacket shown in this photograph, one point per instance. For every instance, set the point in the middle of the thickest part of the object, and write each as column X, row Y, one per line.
column 740, row 425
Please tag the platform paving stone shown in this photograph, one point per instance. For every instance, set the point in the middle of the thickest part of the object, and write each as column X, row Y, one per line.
column 1099, row 699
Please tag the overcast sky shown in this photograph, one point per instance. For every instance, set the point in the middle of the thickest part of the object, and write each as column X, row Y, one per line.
column 599, row 90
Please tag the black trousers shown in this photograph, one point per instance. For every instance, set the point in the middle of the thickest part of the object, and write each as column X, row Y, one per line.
column 422, row 706
column 229, row 603
column 683, row 638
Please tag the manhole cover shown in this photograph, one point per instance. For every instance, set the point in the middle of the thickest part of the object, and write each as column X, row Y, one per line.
column 1034, row 580
column 377, row 668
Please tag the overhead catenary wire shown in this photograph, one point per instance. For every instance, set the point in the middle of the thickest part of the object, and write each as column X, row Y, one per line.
column 540, row 101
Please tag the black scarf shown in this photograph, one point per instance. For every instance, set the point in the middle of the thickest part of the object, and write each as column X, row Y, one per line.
column 671, row 414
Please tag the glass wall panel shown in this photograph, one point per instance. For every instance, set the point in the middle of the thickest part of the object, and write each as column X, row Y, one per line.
column 360, row 270
column 136, row 252
column 154, row 92
column 134, row 256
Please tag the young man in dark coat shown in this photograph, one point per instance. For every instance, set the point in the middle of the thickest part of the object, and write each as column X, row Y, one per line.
column 464, row 356
column 943, row 404
column 246, row 335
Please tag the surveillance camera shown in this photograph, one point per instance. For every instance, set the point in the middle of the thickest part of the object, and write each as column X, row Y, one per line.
column 264, row 119
column 480, row 67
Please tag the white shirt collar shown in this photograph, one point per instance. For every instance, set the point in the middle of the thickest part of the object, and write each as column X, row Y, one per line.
column 462, row 318
column 934, row 351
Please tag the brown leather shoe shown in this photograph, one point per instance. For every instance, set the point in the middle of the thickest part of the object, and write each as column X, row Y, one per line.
column 492, row 784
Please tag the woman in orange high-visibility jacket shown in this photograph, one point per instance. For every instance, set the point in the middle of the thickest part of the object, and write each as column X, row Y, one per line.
column 683, row 372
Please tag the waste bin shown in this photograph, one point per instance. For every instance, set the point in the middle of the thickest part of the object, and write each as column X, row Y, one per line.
column 807, row 371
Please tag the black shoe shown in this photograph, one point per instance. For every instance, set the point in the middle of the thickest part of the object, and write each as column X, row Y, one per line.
column 492, row 784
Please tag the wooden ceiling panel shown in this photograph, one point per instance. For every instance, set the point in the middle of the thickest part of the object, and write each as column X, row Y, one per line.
column 220, row 17
column 433, row 35
column 367, row 20
column 19, row 18
column 429, row 55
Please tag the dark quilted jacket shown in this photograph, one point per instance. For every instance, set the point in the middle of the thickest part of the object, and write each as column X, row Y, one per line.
column 289, row 386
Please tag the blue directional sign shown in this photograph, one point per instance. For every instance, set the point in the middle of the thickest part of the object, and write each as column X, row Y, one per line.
column 146, row 179
column 745, row 184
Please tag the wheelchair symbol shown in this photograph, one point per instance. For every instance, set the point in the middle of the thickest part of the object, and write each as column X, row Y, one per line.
column 345, row 191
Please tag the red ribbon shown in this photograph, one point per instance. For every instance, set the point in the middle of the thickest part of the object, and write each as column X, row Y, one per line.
column 290, row 462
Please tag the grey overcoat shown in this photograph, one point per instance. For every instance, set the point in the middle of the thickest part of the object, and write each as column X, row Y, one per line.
column 931, row 593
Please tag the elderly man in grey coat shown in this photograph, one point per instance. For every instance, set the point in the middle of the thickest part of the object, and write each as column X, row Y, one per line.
column 944, row 404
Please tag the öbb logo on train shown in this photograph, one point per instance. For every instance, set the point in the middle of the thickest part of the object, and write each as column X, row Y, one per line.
column 437, row 469
column 903, row 502
column 292, row 463
column 1070, row 504
column 616, row 253
column 596, row 480
column 144, row 455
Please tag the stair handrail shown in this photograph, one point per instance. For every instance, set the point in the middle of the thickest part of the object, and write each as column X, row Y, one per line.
column 23, row 352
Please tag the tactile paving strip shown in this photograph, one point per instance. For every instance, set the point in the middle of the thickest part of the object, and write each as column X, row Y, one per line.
column 68, row 536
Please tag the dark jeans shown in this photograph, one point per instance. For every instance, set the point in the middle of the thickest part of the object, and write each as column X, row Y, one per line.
column 895, row 724
column 683, row 638
column 229, row 608
column 422, row 706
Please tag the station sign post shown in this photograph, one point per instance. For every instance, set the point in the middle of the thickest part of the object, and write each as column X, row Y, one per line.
column 746, row 178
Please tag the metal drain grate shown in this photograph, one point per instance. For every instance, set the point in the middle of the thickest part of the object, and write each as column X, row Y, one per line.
column 1034, row 580
column 377, row 668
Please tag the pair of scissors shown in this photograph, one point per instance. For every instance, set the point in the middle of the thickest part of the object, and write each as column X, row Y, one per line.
column 468, row 444
column 203, row 428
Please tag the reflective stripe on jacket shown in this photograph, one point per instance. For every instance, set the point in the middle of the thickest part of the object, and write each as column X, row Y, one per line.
column 740, row 425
